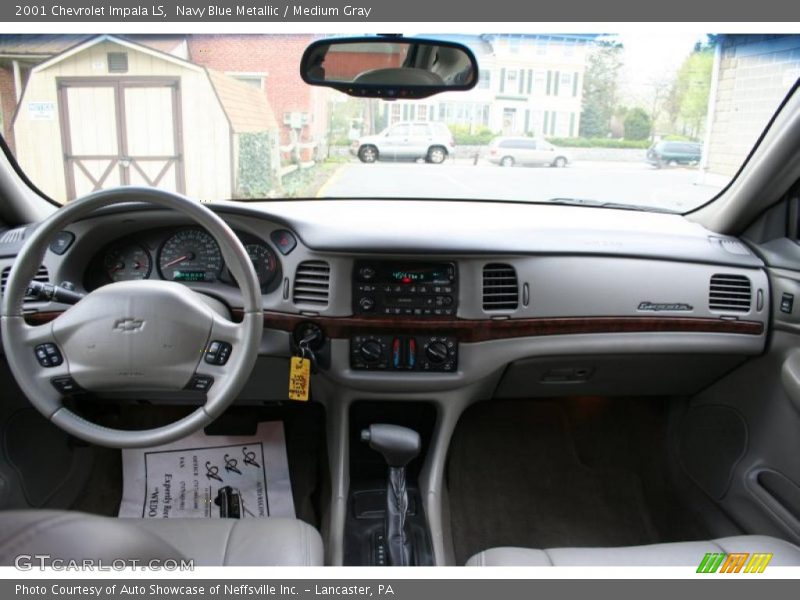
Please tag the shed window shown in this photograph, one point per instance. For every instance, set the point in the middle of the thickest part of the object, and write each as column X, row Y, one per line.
column 117, row 62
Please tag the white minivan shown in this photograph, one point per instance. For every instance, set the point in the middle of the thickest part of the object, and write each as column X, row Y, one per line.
column 510, row 151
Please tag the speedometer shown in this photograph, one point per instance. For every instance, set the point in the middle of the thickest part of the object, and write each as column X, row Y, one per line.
column 190, row 255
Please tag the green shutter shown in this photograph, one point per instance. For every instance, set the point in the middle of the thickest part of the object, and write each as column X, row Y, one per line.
column 502, row 80
column 522, row 81
column 546, row 121
column 557, row 79
column 571, row 124
column 553, row 123
column 575, row 85
column 549, row 81
column 530, row 80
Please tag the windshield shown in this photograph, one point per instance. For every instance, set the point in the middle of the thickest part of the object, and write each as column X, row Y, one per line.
column 659, row 122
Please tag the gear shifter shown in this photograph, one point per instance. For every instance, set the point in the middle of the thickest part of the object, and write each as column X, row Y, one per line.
column 398, row 446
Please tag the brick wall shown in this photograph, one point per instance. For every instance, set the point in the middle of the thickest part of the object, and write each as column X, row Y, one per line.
column 279, row 57
column 755, row 73
column 8, row 103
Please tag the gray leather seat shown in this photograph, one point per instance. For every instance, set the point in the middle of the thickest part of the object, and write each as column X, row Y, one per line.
column 209, row 542
column 681, row 554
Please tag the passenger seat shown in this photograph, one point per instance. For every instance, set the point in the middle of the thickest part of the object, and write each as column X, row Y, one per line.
column 681, row 554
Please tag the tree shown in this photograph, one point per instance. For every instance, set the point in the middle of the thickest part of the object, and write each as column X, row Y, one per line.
column 637, row 124
column 600, row 89
column 687, row 102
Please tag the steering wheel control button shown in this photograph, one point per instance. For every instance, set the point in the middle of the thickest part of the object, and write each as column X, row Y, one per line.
column 218, row 353
column 284, row 241
column 200, row 383
column 48, row 355
column 65, row 385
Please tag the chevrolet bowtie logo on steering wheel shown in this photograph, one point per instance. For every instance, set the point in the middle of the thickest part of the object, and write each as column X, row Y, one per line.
column 128, row 325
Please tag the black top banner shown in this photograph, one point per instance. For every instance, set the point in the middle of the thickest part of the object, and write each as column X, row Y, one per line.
column 398, row 11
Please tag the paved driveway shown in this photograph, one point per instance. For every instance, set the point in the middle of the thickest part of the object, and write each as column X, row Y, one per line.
column 629, row 183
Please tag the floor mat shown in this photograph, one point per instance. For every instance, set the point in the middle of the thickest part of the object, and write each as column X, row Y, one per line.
column 184, row 479
column 515, row 479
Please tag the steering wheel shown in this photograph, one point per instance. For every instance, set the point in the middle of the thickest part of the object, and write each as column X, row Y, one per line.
column 133, row 335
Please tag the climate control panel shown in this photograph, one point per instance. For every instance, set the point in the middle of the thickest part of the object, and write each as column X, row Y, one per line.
column 437, row 354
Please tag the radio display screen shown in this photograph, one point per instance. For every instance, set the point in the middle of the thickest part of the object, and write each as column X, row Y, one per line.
column 426, row 274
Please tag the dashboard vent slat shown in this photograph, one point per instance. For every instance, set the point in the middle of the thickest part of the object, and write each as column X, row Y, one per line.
column 312, row 283
column 41, row 275
column 500, row 288
column 12, row 236
column 731, row 293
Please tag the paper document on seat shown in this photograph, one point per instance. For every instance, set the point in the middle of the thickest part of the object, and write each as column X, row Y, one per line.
column 183, row 479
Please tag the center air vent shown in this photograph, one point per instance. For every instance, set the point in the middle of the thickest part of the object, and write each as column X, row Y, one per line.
column 500, row 288
column 41, row 275
column 730, row 293
column 312, row 283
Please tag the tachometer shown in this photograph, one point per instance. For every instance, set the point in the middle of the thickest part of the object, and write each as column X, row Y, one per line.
column 127, row 261
column 264, row 261
column 190, row 255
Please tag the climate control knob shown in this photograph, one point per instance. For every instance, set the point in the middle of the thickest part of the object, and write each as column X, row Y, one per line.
column 371, row 352
column 436, row 352
column 366, row 304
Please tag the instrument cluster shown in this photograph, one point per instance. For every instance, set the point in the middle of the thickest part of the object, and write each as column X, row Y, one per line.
column 188, row 255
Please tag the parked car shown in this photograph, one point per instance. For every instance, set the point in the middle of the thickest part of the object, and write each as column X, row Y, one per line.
column 510, row 151
column 432, row 141
column 672, row 154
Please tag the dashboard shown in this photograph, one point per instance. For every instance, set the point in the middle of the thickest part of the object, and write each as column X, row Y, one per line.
column 507, row 300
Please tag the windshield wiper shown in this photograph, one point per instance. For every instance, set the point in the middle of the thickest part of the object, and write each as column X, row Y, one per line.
column 601, row 204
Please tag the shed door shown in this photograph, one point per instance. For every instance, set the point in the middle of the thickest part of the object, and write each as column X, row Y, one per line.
column 121, row 132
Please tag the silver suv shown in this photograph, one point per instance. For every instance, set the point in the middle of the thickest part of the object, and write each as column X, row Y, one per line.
column 431, row 141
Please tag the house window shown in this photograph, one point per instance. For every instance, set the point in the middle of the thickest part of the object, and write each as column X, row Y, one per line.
column 511, row 78
column 566, row 84
column 422, row 112
column 484, row 79
column 395, row 113
column 256, row 80
column 540, row 80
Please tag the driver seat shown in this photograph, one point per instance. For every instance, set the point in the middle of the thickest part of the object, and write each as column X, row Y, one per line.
column 75, row 536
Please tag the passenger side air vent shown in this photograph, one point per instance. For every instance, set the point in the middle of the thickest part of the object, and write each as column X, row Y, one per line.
column 41, row 275
column 730, row 293
column 312, row 283
column 500, row 288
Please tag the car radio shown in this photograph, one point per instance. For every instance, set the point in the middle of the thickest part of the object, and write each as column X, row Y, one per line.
column 410, row 289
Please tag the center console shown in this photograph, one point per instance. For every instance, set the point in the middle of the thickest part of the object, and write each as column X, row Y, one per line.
column 398, row 290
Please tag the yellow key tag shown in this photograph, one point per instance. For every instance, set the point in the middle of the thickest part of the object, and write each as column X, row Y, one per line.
column 299, row 378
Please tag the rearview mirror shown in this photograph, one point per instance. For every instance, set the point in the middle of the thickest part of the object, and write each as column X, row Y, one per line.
column 389, row 67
